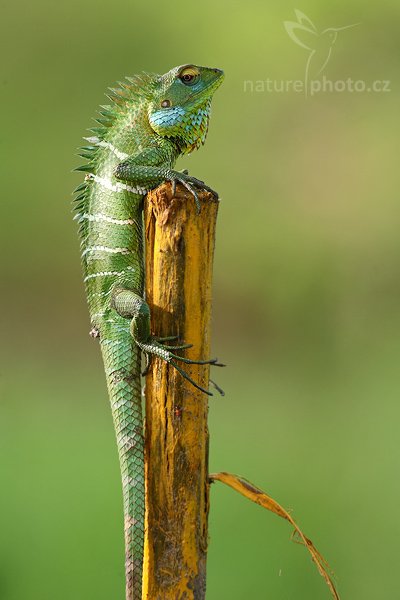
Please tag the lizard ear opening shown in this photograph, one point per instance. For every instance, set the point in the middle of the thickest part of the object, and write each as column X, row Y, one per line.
column 166, row 103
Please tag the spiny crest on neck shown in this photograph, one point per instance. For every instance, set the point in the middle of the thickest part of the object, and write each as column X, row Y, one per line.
column 133, row 90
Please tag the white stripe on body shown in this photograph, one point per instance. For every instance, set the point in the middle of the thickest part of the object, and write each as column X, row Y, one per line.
column 98, row 314
column 98, row 217
column 106, row 249
column 107, row 274
column 104, row 144
column 101, row 294
column 116, row 187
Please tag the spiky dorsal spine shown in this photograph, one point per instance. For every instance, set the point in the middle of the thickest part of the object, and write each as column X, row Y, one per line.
column 130, row 91
column 133, row 89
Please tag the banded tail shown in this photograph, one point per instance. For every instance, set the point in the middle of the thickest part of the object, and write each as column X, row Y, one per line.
column 122, row 365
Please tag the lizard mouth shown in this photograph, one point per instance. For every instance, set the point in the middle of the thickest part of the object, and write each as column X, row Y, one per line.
column 199, row 98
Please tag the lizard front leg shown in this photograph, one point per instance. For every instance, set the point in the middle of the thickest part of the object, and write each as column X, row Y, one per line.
column 130, row 305
column 151, row 167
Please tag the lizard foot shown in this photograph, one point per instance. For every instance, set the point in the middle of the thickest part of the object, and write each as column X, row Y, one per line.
column 155, row 346
column 191, row 183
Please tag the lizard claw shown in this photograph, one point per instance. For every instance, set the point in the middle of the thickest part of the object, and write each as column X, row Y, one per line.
column 187, row 185
column 191, row 189
column 199, row 183
column 190, row 183
column 156, row 346
column 219, row 389
column 173, row 184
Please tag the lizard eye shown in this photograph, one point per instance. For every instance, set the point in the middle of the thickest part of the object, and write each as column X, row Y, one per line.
column 189, row 75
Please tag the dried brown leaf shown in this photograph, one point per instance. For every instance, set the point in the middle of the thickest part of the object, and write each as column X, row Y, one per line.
column 253, row 493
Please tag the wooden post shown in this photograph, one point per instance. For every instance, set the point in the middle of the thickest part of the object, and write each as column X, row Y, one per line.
column 179, row 261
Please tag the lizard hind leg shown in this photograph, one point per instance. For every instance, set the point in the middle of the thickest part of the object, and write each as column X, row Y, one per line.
column 130, row 305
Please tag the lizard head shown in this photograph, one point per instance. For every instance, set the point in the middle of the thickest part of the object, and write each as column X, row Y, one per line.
column 181, row 103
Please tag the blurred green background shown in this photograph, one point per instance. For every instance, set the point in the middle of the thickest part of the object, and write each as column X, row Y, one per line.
column 306, row 297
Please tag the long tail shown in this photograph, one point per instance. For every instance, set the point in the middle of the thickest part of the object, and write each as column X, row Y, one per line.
column 122, row 366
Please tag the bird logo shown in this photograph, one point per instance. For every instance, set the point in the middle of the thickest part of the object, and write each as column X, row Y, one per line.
column 319, row 44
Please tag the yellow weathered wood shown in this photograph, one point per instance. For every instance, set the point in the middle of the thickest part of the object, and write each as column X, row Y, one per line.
column 179, row 260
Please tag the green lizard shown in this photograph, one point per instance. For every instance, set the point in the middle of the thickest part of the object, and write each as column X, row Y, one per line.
column 153, row 120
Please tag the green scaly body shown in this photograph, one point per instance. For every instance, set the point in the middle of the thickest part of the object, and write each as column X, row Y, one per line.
column 152, row 121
